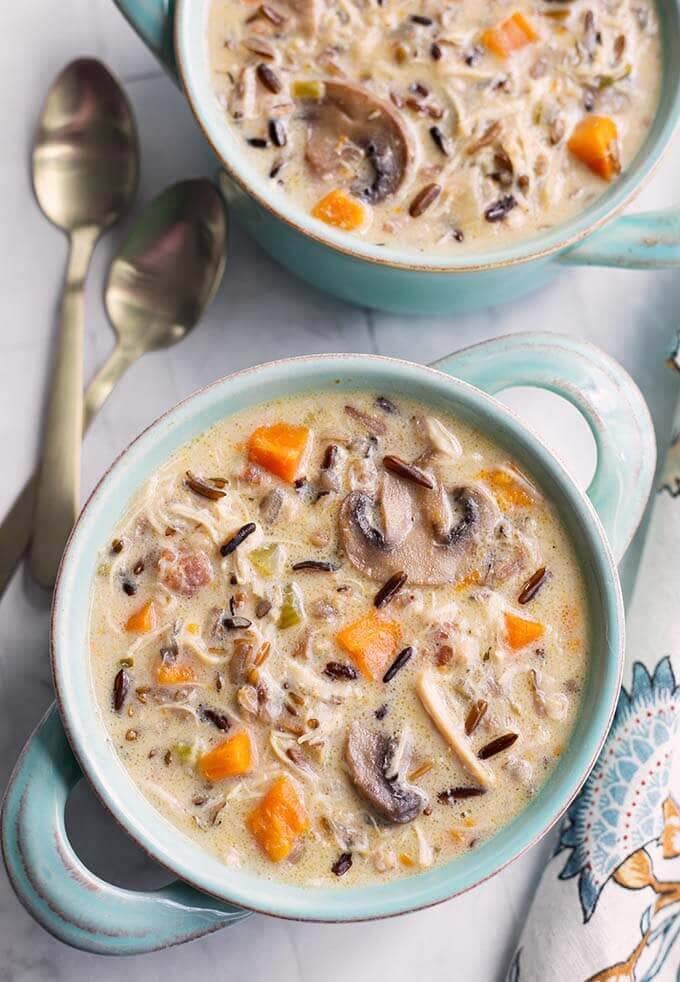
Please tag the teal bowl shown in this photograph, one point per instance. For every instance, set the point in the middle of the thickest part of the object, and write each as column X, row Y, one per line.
column 396, row 279
column 83, row 910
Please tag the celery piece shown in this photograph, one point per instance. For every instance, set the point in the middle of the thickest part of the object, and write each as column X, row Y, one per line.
column 185, row 753
column 292, row 609
column 265, row 559
column 308, row 89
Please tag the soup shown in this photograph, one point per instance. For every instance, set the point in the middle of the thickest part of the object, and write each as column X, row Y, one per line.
column 339, row 638
column 440, row 127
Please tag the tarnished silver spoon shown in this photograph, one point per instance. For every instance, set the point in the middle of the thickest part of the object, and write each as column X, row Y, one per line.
column 85, row 169
column 159, row 284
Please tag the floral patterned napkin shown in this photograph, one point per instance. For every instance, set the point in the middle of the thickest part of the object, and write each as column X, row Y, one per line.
column 608, row 904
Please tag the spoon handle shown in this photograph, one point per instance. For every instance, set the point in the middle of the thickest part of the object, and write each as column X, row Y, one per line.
column 58, row 482
column 104, row 381
column 15, row 528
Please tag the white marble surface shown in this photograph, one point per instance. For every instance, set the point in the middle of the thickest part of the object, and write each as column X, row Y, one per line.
column 261, row 312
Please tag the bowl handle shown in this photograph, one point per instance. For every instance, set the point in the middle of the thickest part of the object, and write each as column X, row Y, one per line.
column 153, row 20
column 60, row 892
column 601, row 390
column 650, row 240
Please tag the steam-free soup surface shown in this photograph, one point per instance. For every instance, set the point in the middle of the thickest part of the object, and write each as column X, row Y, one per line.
column 339, row 638
column 445, row 128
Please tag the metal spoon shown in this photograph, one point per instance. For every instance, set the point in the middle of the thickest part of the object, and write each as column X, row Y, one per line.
column 85, row 169
column 159, row 284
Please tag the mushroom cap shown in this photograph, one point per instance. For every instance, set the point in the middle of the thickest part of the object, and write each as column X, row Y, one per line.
column 430, row 535
column 348, row 117
column 368, row 753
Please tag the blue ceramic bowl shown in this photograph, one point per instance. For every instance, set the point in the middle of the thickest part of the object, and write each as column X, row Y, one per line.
column 81, row 909
column 395, row 278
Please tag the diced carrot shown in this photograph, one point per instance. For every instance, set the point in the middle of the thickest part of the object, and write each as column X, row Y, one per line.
column 279, row 819
column 143, row 620
column 520, row 632
column 510, row 34
column 193, row 628
column 510, row 490
column 279, row 448
column 595, row 142
column 371, row 643
column 473, row 578
column 339, row 209
column 176, row 674
column 406, row 860
column 230, row 758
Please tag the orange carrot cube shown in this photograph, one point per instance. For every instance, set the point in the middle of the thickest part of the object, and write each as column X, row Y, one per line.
column 595, row 142
column 340, row 210
column 230, row 758
column 176, row 674
column 520, row 632
column 509, row 35
column 279, row 819
column 279, row 449
column 143, row 620
column 473, row 578
column 511, row 490
column 371, row 643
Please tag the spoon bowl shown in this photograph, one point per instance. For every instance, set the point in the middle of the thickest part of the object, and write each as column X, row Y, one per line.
column 85, row 159
column 169, row 268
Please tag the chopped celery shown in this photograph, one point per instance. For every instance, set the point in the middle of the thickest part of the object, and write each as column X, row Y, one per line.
column 292, row 609
column 308, row 89
column 265, row 559
column 605, row 81
column 185, row 753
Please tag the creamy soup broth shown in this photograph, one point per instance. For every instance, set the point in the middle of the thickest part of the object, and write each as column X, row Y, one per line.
column 454, row 127
column 395, row 736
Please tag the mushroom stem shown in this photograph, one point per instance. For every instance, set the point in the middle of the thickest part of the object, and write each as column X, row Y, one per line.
column 440, row 713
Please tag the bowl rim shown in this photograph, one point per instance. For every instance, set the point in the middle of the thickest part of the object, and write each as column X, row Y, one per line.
column 277, row 899
column 541, row 246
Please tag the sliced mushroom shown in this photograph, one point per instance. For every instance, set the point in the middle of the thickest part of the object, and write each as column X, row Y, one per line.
column 462, row 514
column 431, row 535
column 382, row 521
column 350, row 126
column 440, row 440
column 369, row 754
column 441, row 714
column 398, row 760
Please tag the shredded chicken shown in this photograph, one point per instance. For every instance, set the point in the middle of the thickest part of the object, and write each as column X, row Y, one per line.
column 442, row 716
